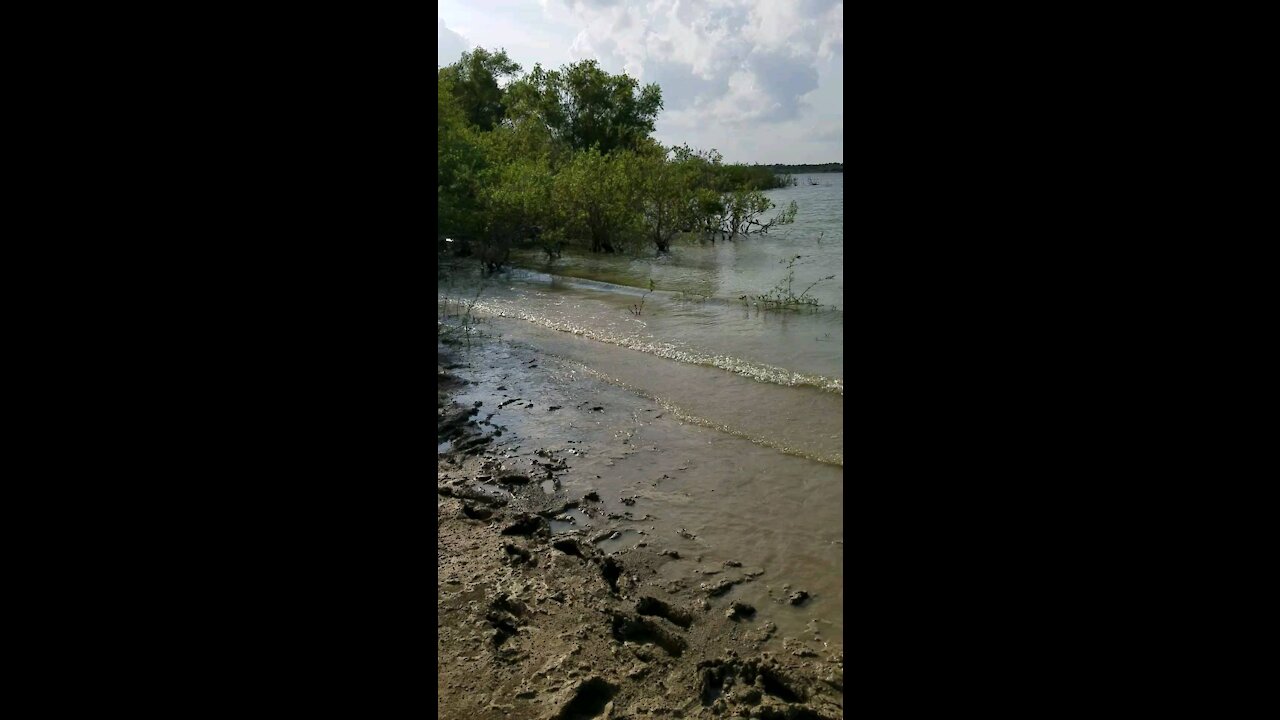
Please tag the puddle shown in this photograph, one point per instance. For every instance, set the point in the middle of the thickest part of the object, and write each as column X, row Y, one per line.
column 625, row 538
column 444, row 447
column 494, row 490
column 563, row 526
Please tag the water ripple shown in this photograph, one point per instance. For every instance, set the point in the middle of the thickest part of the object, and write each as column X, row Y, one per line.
column 756, row 371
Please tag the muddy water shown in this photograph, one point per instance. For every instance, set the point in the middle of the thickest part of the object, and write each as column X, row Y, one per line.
column 718, row 417
column 701, row 343
column 709, row 495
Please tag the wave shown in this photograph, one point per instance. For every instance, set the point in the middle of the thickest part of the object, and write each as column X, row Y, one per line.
column 537, row 277
column 829, row 459
column 759, row 372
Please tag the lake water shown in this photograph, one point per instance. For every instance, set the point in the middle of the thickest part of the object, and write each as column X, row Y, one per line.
column 745, row 403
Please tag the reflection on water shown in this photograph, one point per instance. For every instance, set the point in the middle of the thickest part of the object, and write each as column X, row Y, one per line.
column 728, row 270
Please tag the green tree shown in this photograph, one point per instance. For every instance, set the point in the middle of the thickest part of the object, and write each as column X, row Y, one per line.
column 568, row 155
column 726, row 200
column 516, row 198
column 745, row 209
column 596, row 203
column 667, row 188
column 587, row 107
column 474, row 81
column 460, row 159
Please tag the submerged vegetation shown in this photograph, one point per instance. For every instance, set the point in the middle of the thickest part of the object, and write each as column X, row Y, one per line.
column 465, row 326
column 783, row 295
column 565, row 160
column 637, row 309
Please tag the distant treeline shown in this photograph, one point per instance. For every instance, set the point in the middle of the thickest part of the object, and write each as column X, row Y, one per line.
column 754, row 177
column 823, row 168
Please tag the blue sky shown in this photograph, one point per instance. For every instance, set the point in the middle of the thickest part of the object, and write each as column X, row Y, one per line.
column 758, row 80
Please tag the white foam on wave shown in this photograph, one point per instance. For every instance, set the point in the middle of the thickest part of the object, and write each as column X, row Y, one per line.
column 756, row 371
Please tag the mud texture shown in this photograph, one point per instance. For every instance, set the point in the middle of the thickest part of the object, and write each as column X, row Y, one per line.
column 539, row 625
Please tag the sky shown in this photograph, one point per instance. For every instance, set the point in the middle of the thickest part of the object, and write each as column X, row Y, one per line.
column 762, row 81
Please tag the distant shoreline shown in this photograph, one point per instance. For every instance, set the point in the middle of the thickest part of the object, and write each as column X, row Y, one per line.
column 807, row 169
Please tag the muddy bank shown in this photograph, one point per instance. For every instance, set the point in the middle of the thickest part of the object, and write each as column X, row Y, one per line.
column 557, row 602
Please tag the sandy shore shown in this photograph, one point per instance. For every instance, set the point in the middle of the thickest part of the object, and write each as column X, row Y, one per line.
column 541, row 624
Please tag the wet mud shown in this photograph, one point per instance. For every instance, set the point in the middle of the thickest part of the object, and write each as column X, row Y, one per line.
column 575, row 603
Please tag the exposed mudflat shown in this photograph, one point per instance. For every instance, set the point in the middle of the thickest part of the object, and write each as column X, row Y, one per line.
column 563, row 597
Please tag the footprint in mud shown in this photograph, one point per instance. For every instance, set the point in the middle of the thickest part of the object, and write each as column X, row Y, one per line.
column 611, row 570
column 656, row 608
column 638, row 629
column 588, row 701
column 568, row 546
column 526, row 525
column 517, row 554
column 760, row 676
column 503, row 625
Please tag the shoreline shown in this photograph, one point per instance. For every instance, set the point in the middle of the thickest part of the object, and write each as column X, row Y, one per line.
column 555, row 603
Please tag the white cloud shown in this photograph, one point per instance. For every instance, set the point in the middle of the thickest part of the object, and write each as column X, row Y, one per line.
column 450, row 46
column 754, row 78
column 693, row 49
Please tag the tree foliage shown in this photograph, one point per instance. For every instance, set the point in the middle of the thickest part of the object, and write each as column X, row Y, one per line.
column 584, row 106
column 460, row 159
column 474, row 82
column 566, row 157
column 666, row 192
column 595, row 201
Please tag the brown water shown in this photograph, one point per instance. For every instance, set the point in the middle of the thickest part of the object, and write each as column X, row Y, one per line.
column 740, row 501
